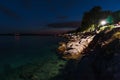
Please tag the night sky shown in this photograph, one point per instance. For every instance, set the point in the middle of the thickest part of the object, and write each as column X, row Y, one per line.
column 34, row 15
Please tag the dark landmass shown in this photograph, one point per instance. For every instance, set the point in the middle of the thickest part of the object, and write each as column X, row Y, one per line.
column 27, row 34
column 51, row 32
column 48, row 33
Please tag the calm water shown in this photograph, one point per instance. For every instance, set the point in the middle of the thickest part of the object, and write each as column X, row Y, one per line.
column 18, row 51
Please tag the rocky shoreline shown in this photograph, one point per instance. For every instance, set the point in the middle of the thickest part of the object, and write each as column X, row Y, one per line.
column 101, row 60
column 76, row 44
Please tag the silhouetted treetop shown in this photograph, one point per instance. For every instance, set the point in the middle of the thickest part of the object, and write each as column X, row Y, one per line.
column 93, row 17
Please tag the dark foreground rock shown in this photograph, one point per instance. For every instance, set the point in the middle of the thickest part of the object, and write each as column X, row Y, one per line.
column 102, row 61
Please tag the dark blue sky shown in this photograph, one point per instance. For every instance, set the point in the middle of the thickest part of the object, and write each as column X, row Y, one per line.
column 32, row 15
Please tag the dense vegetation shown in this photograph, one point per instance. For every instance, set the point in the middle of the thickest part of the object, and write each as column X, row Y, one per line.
column 91, row 19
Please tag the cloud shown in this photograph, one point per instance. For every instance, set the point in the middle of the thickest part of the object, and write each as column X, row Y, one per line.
column 62, row 17
column 9, row 12
column 27, row 4
column 58, row 7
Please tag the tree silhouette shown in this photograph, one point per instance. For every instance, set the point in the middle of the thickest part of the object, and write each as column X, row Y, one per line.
column 93, row 17
column 116, row 16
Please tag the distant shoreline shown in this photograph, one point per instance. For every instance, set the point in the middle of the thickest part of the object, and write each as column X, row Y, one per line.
column 28, row 35
column 31, row 34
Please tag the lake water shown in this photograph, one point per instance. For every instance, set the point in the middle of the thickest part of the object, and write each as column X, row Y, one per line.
column 20, row 50
column 36, row 55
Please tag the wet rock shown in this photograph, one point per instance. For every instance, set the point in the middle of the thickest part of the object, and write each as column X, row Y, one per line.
column 75, row 46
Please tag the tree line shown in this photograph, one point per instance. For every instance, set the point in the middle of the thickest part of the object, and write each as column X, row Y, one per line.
column 93, row 17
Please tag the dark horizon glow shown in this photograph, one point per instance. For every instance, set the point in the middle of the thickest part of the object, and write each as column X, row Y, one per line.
column 32, row 15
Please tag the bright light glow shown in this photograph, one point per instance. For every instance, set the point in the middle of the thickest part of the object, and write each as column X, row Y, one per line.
column 103, row 22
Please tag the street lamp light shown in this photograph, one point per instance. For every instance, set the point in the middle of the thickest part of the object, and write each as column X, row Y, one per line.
column 103, row 22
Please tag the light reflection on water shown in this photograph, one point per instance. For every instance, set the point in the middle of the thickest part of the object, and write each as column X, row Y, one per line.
column 20, row 50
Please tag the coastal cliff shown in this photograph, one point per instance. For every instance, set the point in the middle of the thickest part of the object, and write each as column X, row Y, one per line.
column 78, row 45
